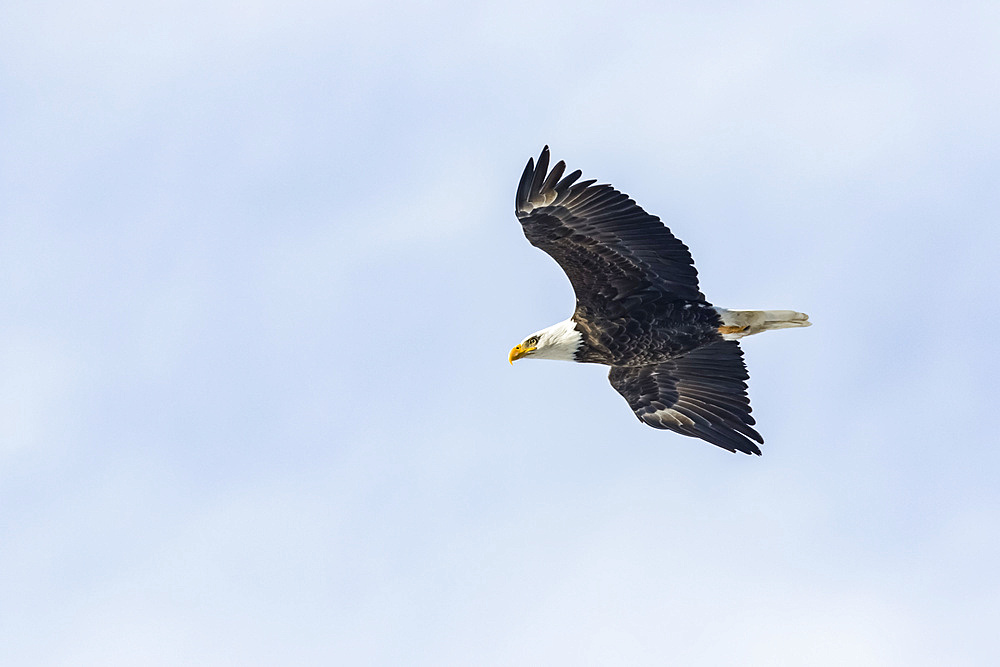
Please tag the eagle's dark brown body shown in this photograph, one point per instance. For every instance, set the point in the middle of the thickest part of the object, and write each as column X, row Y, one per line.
column 647, row 333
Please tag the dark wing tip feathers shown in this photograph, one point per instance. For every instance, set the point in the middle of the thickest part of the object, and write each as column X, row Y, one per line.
column 539, row 186
column 543, row 166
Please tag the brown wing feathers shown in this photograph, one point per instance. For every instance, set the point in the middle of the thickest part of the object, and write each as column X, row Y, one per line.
column 700, row 394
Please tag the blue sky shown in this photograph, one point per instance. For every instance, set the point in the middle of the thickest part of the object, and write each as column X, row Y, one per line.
column 261, row 274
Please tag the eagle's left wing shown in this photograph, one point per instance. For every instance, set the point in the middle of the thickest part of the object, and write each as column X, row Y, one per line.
column 702, row 394
column 610, row 248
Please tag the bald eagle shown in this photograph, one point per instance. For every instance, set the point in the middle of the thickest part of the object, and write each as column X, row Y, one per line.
column 673, row 355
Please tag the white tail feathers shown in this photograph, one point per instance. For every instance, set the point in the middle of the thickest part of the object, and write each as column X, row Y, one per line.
column 742, row 323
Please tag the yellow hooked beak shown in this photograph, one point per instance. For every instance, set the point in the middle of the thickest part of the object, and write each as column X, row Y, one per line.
column 519, row 352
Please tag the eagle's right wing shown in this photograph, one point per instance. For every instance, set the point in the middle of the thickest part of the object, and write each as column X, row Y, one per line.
column 702, row 394
column 608, row 246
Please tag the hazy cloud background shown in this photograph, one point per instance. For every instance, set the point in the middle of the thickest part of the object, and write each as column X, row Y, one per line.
column 260, row 276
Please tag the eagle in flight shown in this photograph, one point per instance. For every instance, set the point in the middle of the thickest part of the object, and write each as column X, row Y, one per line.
column 673, row 355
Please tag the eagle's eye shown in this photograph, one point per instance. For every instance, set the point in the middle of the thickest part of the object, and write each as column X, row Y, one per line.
column 531, row 342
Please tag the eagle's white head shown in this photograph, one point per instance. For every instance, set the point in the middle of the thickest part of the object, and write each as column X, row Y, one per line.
column 559, row 341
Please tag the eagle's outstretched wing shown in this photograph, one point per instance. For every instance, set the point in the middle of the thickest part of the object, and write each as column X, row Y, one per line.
column 608, row 246
column 702, row 394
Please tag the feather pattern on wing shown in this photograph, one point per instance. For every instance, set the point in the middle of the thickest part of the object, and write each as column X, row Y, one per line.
column 702, row 394
column 615, row 254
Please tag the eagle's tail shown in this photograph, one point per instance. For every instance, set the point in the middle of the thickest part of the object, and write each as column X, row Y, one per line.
column 739, row 323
